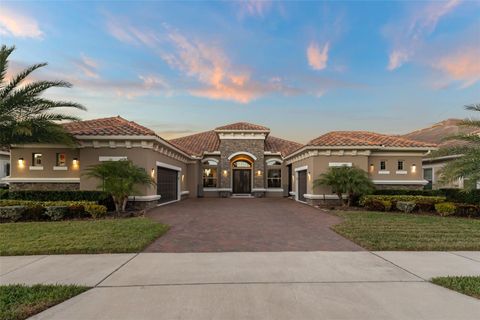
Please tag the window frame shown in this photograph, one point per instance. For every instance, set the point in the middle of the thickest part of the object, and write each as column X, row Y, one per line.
column 402, row 162
column 274, row 165
column 57, row 163
column 208, row 164
column 384, row 162
column 34, row 162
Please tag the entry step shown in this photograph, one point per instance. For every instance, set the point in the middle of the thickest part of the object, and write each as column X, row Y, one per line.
column 242, row 196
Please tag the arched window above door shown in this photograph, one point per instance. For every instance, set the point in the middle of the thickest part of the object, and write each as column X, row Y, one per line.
column 241, row 164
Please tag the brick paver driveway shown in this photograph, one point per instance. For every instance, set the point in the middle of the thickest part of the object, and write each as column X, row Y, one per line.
column 213, row 225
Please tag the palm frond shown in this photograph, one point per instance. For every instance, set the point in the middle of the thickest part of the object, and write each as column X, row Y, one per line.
column 19, row 78
column 4, row 54
column 473, row 107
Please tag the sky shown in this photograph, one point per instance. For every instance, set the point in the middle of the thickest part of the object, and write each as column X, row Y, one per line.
column 300, row 68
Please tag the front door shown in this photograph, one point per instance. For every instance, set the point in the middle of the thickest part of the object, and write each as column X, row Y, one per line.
column 241, row 181
column 302, row 185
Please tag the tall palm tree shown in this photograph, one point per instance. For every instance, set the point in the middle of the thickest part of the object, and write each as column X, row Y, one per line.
column 26, row 116
column 351, row 181
column 468, row 165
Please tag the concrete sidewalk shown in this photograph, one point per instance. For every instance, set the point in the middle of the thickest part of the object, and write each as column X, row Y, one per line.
column 260, row 285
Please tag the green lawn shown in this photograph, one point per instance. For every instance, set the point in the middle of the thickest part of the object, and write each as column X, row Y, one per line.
column 399, row 231
column 466, row 285
column 91, row 236
column 20, row 302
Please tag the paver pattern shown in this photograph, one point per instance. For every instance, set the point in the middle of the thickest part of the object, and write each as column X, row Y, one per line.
column 251, row 225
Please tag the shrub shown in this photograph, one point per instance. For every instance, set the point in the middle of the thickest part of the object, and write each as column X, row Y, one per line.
column 29, row 203
column 394, row 199
column 96, row 211
column 378, row 205
column 75, row 211
column 56, row 213
column 467, row 210
column 35, row 195
column 425, row 206
column 463, row 196
column 405, row 192
column 3, row 193
column 12, row 213
column 406, row 206
column 35, row 213
column 445, row 208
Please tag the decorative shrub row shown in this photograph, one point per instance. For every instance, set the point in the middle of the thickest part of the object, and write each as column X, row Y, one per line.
column 99, row 197
column 409, row 204
column 24, row 210
column 452, row 195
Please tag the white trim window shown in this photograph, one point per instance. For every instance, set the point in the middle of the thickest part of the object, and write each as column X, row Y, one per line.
column 61, row 160
column 274, row 173
column 383, row 165
column 210, row 173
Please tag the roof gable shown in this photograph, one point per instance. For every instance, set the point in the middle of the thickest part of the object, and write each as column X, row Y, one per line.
column 242, row 126
column 113, row 126
column 365, row 139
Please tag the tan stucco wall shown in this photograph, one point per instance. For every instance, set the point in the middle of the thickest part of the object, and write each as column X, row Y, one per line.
column 48, row 162
column 145, row 158
column 321, row 165
column 391, row 162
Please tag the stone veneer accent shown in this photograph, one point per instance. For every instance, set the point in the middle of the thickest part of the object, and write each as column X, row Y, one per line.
column 253, row 146
column 44, row 186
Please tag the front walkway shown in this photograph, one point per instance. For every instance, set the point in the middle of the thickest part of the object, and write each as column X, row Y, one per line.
column 246, row 225
column 259, row 285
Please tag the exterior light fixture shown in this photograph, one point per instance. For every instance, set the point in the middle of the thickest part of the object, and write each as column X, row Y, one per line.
column 414, row 168
column 309, row 177
column 75, row 163
column 183, row 177
column 259, row 173
column 372, row 167
column 152, row 173
column 21, row 163
column 225, row 173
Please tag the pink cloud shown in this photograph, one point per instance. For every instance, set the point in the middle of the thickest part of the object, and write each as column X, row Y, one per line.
column 408, row 35
column 254, row 8
column 463, row 65
column 317, row 58
column 16, row 24
column 88, row 66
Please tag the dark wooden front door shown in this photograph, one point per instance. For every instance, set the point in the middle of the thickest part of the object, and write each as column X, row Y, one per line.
column 302, row 185
column 167, row 184
column 241, row 181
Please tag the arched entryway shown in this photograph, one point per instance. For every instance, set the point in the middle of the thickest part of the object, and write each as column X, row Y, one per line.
column 242, row 167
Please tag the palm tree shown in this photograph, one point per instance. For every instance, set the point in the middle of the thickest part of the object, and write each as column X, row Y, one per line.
column 26, row 116
column 346, row 180
column 468, row 165
column 119, row 179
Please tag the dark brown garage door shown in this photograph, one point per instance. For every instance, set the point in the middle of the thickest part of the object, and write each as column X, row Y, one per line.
column 167, row 184
column 302, row 185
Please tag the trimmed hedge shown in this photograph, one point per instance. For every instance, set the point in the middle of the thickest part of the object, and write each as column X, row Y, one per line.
column 99, row 197
column 445, row 208
column 49, row 210
column 452, row 195
column 395, row 199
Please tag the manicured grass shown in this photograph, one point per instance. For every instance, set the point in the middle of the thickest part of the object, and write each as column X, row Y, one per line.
column 92, row 236
column 20, row 302
column 399, row 231
column 466, row 285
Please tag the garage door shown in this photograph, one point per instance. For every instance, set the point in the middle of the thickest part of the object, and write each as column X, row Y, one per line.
column 302, row 185
column 167, row 184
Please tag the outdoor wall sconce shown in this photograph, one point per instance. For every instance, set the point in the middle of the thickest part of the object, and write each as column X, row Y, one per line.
column 225, row 173
column 21, row 163
column 259, row 173
column 309, row 176
column 183, row 177
column 372, row 167
column 152, row 173
column 414, row 168
column 75, row 163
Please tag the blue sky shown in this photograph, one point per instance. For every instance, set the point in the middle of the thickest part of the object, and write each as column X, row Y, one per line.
column 300, row 68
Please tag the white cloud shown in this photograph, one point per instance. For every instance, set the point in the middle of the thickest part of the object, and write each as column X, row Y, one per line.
column 318, row 58
column 13, row 23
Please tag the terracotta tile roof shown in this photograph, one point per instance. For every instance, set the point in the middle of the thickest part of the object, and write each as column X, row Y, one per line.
column 285, row 147
column 108, row 127
column 365, row 138
column 196, row 144
column 208, row 141
column 439, row 131
column 243, row 126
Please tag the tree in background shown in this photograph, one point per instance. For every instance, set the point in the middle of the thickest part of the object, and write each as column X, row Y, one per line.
column 119, row 179
column 468, row 165
column 26, row 116
column 351, row 181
